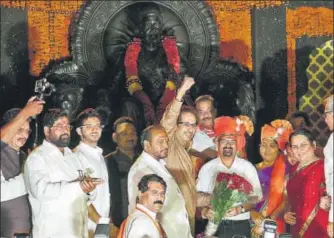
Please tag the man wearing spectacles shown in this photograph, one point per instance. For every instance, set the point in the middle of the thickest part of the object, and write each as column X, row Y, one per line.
column 180, row 125
column 15, row 215
column 328, row 152
column 89, row 128
column 58, row 193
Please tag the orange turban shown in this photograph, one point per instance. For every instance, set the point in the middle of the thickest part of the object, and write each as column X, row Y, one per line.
column 237, row 126
column 279, row 131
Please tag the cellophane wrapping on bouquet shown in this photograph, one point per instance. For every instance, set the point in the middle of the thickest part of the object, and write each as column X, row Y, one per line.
column 230, row 189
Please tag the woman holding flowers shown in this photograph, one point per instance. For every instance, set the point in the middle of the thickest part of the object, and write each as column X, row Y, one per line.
column 308, row 215
column 272, row 173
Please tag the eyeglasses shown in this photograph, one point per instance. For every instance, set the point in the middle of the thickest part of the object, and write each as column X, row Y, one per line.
column 91, row 127
column 327, row 113
column 62, row 127
column 187, row 124
column 25, row 131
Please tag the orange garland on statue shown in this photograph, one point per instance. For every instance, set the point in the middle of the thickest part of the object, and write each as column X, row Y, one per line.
column 48, row 28
column 231, row 15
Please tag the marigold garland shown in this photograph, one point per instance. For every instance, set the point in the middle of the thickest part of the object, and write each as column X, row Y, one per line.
column 48, row 29
column 230, row 15
column 299, row 22
column 243, row 5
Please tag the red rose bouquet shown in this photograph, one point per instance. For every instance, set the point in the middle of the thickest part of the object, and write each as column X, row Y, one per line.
column 229, row 190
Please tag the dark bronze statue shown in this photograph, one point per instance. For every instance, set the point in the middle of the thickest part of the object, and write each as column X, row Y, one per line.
column 159, row 64
column 129, row 56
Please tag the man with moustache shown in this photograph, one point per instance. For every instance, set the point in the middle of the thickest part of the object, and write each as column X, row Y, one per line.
column 173, row 216
column 15, row 213
column 142, row 222
column 58, row 193
column 203, row 142
column 119, row 163
column 89, row 128
column 229, row 138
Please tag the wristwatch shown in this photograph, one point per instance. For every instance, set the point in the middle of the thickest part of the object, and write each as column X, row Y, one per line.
column 243, row 210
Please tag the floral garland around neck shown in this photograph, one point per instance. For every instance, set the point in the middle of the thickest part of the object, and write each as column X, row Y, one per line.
column 133, row 82
column 134, row 85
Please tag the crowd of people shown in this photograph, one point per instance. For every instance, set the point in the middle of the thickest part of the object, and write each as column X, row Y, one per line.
column 166, row 188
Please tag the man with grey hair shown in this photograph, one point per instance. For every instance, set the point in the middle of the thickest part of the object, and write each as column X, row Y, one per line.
column 15, row 215
column 328, row 152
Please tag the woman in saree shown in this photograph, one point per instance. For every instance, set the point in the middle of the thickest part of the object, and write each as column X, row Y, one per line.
column 308, row 215
column 272, row 173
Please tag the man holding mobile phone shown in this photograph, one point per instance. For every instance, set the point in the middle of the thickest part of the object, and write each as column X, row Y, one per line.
column 89, row 128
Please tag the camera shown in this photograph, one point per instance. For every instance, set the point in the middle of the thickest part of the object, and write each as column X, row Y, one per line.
column 44, row 88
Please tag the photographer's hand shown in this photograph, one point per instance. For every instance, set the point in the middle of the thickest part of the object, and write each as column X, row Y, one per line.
column 33, row 107
column 9, row 130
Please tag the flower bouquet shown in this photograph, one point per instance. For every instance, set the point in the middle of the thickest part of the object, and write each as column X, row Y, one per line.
column 229, row 190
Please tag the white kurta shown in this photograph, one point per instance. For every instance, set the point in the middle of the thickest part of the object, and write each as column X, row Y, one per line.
column 202, row 141
column 208, row 174
column 7, row 191
column 59, row 206
column 139, row 225
column 174, row 216
column 96, row 163
column 328, row 152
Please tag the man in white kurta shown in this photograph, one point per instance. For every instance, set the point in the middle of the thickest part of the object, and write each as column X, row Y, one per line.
column 58, row 199
column 174, row 217
column 328, row 152
column 89, row 128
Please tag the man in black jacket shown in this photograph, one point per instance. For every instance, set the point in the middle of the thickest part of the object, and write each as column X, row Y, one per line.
column 119, row 163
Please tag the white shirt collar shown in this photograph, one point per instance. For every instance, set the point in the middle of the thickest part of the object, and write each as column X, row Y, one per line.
column 55, row 149
column 234, row 164
column 153, row 215
column 96, row 149
column 149, row 158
